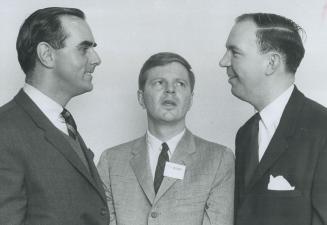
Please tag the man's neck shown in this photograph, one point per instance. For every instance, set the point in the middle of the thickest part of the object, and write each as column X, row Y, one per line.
column 49, row 91
column 271, row 92
column 165, row 132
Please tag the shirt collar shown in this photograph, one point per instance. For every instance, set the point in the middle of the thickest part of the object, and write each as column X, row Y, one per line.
column 48, row 106
column 155, row 143
column 272, row 113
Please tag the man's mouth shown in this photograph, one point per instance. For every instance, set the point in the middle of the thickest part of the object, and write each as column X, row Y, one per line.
column 230, row 76
column 88, row 75
column 169, row 103
column 90, row 71
column 230, row 73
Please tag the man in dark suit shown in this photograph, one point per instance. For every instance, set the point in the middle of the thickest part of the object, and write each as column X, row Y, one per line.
column 47, row 174
column 281, row 152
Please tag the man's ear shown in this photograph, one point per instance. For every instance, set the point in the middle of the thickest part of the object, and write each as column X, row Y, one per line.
column 274, row 60
column 140, row 98
column 45, row 54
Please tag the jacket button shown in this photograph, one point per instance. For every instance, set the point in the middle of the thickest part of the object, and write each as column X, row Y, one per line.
column 103, row 212
column 154, row 214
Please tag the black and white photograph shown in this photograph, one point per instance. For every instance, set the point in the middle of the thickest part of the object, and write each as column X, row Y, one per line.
column 163, row 112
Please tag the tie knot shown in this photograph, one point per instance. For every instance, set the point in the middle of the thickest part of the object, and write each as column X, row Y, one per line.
column 164, row 147
column 66, row 114
column 70, row 122
column 69, row 118
column 256, row 117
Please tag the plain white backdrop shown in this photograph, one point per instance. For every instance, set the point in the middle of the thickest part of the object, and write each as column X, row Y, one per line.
column 129, row 31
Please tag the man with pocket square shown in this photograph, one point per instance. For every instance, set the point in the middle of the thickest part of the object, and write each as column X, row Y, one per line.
column 281, row 152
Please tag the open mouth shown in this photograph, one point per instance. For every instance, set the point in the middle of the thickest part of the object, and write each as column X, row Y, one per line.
column 169, row 103
column 88, row 74
column 231, row 74
column 231, row 77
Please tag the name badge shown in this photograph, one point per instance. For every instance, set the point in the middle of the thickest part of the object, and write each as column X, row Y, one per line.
column 174, row 170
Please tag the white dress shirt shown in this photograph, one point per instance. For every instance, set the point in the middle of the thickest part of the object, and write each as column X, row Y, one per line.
column 270, row 117
column 154, row 148
column 49, row 107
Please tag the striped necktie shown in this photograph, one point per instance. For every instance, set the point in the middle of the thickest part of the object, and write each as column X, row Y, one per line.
column 70, row 123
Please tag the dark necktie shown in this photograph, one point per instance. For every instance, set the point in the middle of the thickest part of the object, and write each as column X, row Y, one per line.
column 71, row 125
column 163, row 158
column 72, row 131
column 253, row 149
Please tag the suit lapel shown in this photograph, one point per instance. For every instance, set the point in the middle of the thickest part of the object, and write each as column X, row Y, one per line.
column 53, row 135
column 283, row 135
column 141, row 167
column 182, row 155
column 94, row 172
column 242, row 155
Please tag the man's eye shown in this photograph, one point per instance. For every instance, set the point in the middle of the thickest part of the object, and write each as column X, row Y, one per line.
column 158, row 82
column 235, row 53
column 84, row 49
column 181, row 84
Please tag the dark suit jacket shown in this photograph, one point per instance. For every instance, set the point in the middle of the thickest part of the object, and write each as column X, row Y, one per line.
column 298, row 152
column 42, row 180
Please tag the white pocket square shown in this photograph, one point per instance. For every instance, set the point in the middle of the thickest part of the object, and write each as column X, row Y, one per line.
column 279, row 183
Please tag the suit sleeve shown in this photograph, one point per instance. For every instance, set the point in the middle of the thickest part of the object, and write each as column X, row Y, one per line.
column 12, row 190
column 319, row 189
column 219, row 207
column 103, row 168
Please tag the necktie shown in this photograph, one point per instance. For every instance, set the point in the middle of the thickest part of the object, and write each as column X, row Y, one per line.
column 70, row 123
column 163, row 158
column 253, row 149
column 72, row 131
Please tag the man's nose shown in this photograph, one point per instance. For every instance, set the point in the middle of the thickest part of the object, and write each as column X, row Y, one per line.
column 225, row 60
column 170, row 87
column 95, row 58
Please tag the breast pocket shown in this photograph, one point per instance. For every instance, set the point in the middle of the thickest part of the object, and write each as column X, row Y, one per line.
column 193, row 188
column 283, row 194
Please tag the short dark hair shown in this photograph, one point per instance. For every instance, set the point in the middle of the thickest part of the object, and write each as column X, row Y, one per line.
column 280, row 34
column 42, row 25
column 161, row 59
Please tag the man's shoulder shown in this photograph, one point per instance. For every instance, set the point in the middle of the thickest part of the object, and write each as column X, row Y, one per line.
column 313, row 117
column 209, row 147
column 125, row 148
column 212, row 154
column 10, row 111
column 315, row 109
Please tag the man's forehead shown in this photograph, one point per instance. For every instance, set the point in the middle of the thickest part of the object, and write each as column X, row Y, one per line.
column 246, row 27
column 244, row 31
column 71, row 20
column 173, row 66
column 77, row 28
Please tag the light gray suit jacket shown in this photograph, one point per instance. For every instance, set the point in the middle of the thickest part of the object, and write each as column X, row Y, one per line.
column 204, row 196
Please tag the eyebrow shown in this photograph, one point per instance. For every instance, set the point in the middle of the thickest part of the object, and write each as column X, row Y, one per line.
column 87, row 44
column 232, row 47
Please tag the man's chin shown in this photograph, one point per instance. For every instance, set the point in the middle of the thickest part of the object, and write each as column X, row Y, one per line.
column 235, row 92
column 84, row 89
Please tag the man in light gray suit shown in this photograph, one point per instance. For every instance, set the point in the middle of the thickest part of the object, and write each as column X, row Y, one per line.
column 169, row 176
